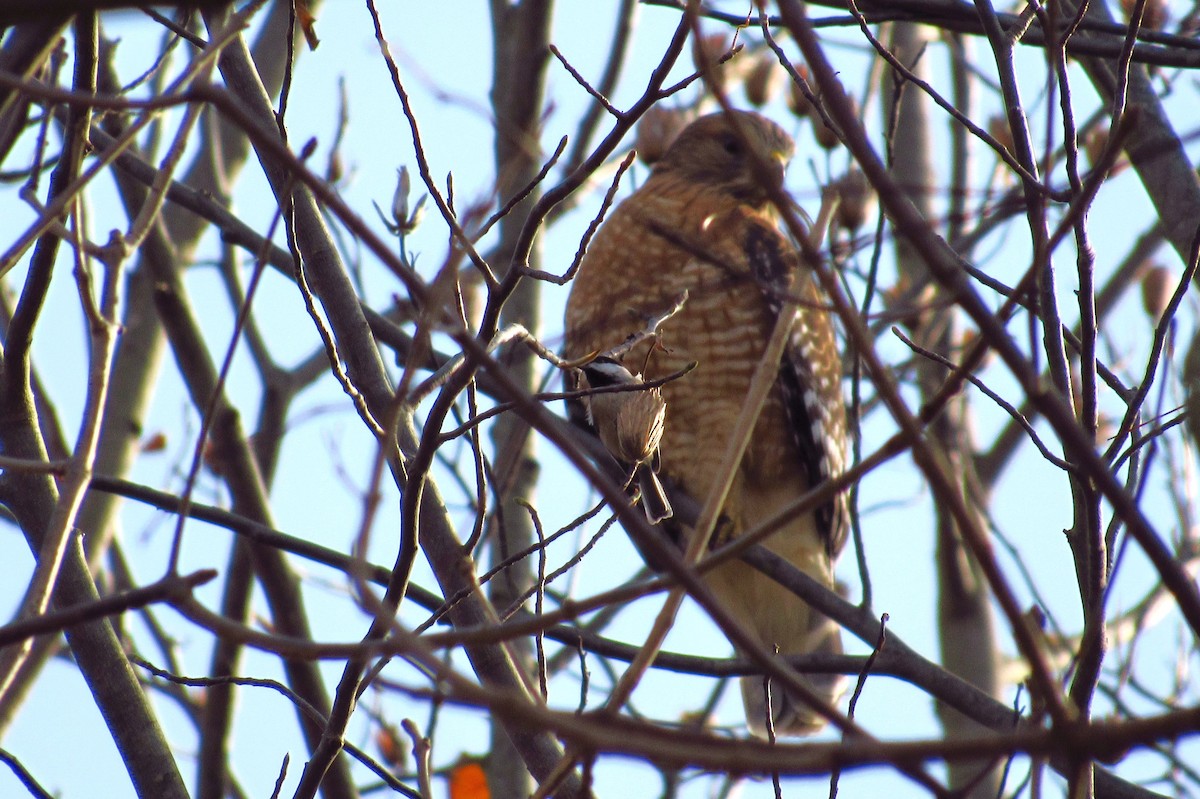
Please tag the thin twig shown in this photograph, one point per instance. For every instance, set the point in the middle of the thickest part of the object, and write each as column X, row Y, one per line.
column 1008, row 408
column 587, row 87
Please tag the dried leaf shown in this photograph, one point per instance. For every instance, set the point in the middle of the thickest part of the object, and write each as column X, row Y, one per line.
column 308, row 23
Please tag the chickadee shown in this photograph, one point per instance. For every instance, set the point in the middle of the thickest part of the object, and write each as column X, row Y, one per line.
column 630, row 425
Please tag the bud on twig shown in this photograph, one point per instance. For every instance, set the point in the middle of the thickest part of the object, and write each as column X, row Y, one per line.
column 400, row 197
column 405, row 221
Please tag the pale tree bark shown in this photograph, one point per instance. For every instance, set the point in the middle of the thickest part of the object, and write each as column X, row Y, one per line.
column 138, row 361
column 520, row 42
column 33, row 498
column 244, row 478
column 964, row 615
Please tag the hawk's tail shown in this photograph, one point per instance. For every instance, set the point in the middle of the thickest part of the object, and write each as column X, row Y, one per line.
column 791, row 715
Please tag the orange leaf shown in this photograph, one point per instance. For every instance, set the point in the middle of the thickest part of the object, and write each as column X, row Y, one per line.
column 469, row 781
column 387, row 740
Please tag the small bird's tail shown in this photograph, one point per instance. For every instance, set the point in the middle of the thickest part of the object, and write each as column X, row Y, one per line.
column 654, row 497
column 790, row 714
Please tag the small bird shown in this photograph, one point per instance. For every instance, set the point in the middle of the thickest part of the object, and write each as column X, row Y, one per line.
column 630, row 425
column 703, row 223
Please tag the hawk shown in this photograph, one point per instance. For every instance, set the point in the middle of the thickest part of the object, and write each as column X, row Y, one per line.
column 702, row 222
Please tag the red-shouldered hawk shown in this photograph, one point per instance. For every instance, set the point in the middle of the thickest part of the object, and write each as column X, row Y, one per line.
column 702, row 223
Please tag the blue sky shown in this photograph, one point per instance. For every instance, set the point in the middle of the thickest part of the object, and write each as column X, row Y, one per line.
column 326, row 460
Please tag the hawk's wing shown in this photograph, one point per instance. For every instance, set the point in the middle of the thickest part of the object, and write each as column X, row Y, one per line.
column 809, row 372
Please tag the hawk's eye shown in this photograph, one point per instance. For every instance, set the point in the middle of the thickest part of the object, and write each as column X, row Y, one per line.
column 732, row 145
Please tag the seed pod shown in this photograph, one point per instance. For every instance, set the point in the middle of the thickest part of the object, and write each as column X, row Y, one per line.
column 764, row 79
column 998, row 127
column 904, row 309
column 707, row 55
column 856, row 199
column 1158, row 284
column 798, row 102
column 334, row 170
column 1093, row 145
column 967, row 343
column 1154, row 15
column 826, row 136
column 657, row 128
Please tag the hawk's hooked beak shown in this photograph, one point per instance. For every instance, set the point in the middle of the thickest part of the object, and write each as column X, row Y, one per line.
column 780, row 159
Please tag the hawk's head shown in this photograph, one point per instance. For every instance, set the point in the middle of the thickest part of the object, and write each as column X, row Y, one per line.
column 739, row 152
